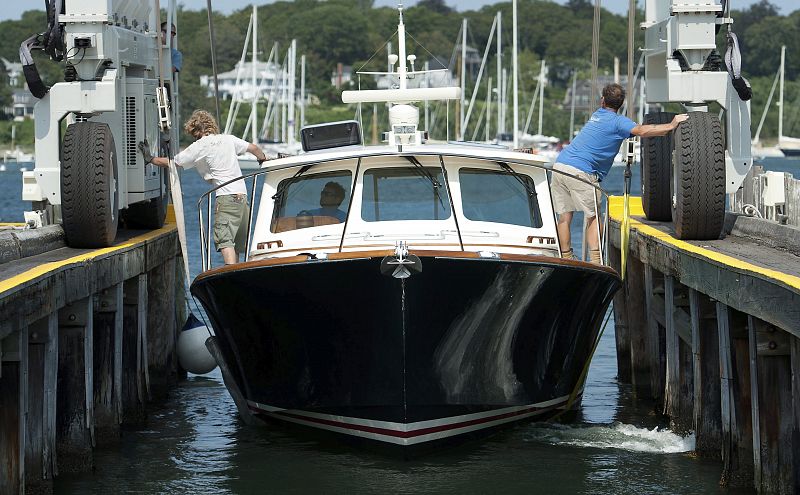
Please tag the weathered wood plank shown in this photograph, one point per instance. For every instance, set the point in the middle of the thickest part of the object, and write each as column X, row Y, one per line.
column 621, row 331
column 795, row 363
column 707, row 394
column 655, row 335
column 737, row 451
column 107, row 364
column 73, row 438
column 772, row 420
column 11, row 460
column 41, row 408
column 671, row 351
column 161, row 332
column 13, row 406
column 755, row 402
column 133, row 407
column 638, row 328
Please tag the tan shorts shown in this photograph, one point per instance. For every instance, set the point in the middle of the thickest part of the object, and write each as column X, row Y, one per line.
column 231, row 214
column 573, row 195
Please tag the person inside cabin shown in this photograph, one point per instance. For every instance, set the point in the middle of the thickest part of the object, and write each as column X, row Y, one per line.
column 214, row 156
column 177, row 56
column 330, row 198
column 589, row 157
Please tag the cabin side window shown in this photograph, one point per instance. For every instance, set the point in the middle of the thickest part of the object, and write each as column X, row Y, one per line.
column 311, row 201
column 495, row 196
column 404, row 194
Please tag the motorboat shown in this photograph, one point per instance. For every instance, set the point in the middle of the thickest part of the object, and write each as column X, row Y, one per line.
column 406, row 293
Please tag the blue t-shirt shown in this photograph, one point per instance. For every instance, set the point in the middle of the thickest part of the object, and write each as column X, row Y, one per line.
column 594, row 148
column 329, row 212
column 177, row 60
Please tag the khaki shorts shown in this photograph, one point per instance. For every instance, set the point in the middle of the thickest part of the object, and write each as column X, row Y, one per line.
column 231, row 215
column 573, row 195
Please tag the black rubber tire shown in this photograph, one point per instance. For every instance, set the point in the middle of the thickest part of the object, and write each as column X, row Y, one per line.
column 89, row 208
column 656, row 162
column 149, row 214
column 698, row 178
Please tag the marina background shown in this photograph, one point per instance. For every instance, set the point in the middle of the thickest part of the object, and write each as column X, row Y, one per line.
column 195, row 443
column 350, row 32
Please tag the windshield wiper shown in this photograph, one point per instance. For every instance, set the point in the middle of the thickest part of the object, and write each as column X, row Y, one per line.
column 279, row 193
column 425, row 174
column 531, row 190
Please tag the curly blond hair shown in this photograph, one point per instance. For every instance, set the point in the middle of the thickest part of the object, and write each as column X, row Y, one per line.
column 201, row 123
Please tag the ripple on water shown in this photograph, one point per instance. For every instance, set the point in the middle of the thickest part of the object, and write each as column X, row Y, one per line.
column 614, row 436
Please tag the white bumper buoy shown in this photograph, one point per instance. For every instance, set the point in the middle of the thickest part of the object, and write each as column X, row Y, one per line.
column 192, row 352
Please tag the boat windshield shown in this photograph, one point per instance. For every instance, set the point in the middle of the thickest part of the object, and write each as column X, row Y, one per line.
column 493, row 196
column 404, row 194
column 312, row 200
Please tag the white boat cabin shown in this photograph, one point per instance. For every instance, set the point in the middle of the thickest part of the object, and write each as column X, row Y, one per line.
column 492, row 201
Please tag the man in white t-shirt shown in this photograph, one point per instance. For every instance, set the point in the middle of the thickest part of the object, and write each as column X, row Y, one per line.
column 214, row 156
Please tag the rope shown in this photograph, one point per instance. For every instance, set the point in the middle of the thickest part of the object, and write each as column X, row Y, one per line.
column 213, row 58
column 625, row 228
column 595, row 49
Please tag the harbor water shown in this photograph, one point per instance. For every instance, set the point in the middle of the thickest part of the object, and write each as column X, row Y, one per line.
column 196, row 444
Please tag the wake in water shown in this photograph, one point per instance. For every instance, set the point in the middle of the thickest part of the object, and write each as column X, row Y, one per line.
column 613, row 436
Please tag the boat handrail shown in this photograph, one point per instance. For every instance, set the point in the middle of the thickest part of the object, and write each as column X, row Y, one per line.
column 205, row 233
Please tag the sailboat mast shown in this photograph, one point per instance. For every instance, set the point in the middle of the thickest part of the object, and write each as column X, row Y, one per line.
column 427, row 85
column 515, row 70
column 291, row 100
column 572, row 106
column 302, row 90
column 488, row 107
column 542, row 76
column 780, row 94
column 499, row 71
column 254, row 110
column 462, row 104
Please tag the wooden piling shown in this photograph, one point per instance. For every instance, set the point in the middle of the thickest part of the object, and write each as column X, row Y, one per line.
column 12, row 412
column 772, row 408
column 133, row 332
column 637, row 328
column 621, row 330
column 795, row 453
column 706, row 385
column 108, row 364
column 656, row 335
column 161, row 336
column 75, row 397
column 737, row 431
column 40, row 432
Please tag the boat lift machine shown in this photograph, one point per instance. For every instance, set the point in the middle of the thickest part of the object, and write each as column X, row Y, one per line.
column 88, row 170
column 685, row 177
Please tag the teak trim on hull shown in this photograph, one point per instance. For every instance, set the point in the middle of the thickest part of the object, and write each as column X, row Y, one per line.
column 421, row 253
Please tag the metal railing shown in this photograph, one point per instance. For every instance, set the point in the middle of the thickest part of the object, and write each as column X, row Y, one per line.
column 206, row 233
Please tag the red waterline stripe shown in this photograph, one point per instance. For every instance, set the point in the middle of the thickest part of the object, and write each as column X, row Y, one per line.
column 410, row 434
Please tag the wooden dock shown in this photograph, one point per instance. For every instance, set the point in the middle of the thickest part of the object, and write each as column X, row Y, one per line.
column 87, row 339
column 711, row 331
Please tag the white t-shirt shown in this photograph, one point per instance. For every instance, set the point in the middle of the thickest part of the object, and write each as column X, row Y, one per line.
column 215, row 159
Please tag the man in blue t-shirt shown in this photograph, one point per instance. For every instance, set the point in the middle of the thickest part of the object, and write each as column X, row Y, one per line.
column 589, row 157
column 177, row 57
